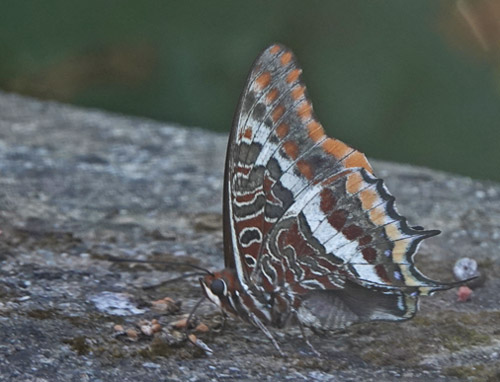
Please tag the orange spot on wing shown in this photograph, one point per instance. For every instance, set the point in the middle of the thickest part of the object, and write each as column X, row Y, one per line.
column 263, row 80
column 286, row 58
column 298, row 92
column 305, row 110
column 282, row 130
column 400, row 249
column 278, row 112
column 272, row 95
column 305, row 169
column 354, row 182
column 291, row 149
column 392, row 231
column 275, row 49
column 357, row 159
column 377, row 216
column 248, row 133
column 315, row 131
column 410, row 279
column 368, row 198
column 293, row 75
column 336, row 148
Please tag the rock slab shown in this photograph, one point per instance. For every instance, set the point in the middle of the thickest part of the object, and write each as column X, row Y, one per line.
column 78, row 186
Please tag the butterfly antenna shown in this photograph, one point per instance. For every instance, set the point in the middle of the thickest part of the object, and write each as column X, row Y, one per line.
column 204, row 271
column 169, row 281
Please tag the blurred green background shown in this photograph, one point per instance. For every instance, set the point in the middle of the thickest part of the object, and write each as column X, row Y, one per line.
column 408, row 81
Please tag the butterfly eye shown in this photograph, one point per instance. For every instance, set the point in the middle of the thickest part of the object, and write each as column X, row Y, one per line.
column 218, row 287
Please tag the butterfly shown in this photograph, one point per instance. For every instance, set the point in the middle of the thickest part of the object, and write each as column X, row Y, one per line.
column 311, row 236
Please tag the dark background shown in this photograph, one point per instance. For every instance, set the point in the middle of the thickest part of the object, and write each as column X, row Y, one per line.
column 408, row 81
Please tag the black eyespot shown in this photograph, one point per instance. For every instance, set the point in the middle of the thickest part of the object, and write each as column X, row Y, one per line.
column 218, row 287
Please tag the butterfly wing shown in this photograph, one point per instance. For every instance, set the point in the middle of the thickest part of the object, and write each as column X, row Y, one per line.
column 304, row 213
column 265, row 117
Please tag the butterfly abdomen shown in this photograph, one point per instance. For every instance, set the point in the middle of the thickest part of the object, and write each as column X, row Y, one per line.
column 334, row 309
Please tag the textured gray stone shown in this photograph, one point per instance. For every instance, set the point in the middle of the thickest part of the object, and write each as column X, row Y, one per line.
column 79, row 185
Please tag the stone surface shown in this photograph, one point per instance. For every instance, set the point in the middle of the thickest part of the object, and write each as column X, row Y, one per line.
column 78, row 186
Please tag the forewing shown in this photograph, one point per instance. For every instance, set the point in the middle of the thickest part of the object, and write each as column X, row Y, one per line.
column 276, row 149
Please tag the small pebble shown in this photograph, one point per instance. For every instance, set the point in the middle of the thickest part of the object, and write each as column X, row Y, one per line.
column 165, row 305
column 132, row 334
column 467, row 268
column 117, row 304
column 118, row 328
column 464, row 293
column 151, row 365
column 146, row 330
column 480, row 194
column 200, row 344
column 201, row 328
column 180, row 324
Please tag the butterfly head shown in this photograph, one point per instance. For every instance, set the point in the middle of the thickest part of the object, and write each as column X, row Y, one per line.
column 220, row 288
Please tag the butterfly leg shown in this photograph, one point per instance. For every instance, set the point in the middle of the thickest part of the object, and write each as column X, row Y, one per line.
column 221, row 322
column 306, row 339
column 191, row 314
column 268, row 334
column 192, row 338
